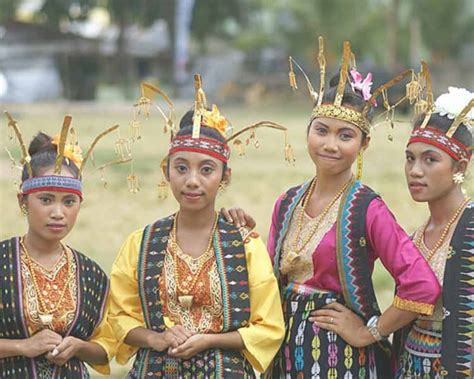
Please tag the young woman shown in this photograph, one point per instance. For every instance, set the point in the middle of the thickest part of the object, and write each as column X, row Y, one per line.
column 437, row 157
column 53, row 297
column 324, row 239
column 192, row 295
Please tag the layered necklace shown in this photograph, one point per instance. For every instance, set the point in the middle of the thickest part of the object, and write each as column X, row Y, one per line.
column 187, row 284
column 298, row 244
column 46, row 308
column 421, row 236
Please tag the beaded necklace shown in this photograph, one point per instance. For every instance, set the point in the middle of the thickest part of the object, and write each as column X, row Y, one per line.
column 46, row 313
column 189, row 283
column 296, row 247
column 444, row 233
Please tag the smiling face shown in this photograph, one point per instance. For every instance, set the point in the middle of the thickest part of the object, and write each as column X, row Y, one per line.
column 51, row 214
column 194, row 179
column 333, row 145
column 429, row 172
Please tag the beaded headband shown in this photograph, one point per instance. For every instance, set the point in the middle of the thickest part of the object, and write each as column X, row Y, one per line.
column 336, row 109
column 201, row 145
column 457, row 104
column 67, row 149
column 52, row 183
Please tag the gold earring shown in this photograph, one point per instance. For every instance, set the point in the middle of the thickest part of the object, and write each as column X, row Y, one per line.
column 458, row 178
column 162, row 189
column 222, row 186
column 23, row 210
column 360, row 161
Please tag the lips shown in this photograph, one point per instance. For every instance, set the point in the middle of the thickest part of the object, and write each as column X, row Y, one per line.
column 328, row 157
column 416, row 186
column 193, row 196
column 56, row 227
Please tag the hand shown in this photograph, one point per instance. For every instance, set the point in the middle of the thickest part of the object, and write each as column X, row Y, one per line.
column 42, row 342
column 341, row 320
column 238, row 217
column 67, row 349
column 193, row 346
column 172, row 337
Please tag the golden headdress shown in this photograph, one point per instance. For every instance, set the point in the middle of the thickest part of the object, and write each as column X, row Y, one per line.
column 336, row 109
column 67, row 148
column 204, row 116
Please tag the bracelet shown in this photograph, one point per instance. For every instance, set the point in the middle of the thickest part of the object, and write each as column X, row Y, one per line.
column 372, row 326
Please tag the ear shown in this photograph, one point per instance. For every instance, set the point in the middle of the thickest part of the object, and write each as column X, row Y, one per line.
column 21, row 199
column 366, row 143
column 461, row 166
column 165, row 168
column 227, row 176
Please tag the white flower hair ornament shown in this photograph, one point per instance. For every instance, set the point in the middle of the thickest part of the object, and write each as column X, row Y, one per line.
column 452, row 103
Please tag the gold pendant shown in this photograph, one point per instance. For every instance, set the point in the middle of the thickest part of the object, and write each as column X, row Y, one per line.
column 292, row 256
column 46, row 320
column 186, row 300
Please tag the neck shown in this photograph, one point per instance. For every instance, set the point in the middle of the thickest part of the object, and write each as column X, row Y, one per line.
column 40, row 248
column 202, row 219
column 330, row 184
column 443, row 208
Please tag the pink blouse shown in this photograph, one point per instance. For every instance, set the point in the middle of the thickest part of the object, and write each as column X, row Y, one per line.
column 416, row 285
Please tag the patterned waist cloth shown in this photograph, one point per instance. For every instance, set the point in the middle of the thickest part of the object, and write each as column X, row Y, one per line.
column 309, row 351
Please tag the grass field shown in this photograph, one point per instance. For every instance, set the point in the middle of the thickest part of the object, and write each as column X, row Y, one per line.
column 109, row 214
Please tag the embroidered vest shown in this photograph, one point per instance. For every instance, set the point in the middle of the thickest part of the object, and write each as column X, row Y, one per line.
column 352, row 254
column 232, row 266
column 93, row 286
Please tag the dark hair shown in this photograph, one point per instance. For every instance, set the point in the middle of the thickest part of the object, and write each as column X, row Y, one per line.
column 443, row 123
column 351, row 98
column 43, row 155
column 186, row 129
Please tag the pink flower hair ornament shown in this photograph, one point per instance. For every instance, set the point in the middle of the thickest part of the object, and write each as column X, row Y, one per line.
column 361, row 84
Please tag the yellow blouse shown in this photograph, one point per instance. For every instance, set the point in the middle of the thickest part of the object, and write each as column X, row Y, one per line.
column 262, row 336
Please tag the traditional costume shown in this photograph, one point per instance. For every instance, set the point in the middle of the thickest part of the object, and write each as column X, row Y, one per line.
column 331, row 258
column 230, row 287
column 69, row 299
column 440, row 346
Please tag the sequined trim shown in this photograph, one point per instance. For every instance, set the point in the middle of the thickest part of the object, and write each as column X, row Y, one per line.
column 50, row 281
column 301, row 269
column 413, row 306
column 206, row 312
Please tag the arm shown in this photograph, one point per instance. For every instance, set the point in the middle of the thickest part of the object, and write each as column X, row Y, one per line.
column 39, row 344
column 417, row 286
column 172, row 337
column 201, row 342
column 352, row 329
column 265, row 331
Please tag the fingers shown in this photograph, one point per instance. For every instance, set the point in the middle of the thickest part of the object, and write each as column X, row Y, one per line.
column 324, row 315
column 250, row 221
column 226, row 214
column 240, row 217
column 336, row 306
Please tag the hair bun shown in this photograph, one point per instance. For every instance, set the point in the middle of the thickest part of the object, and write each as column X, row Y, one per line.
column 41, row 143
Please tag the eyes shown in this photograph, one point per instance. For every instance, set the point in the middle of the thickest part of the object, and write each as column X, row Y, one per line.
column 344, row 135
column 46, row 200
column 427, row 159
column 204, row 170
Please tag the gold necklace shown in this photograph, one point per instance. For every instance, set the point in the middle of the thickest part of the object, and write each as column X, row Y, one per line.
column 444, row 233
column 295, row 248
column 45, row 316
column 186, row 300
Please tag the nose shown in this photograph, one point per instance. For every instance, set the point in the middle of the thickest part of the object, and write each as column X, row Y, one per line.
column 415, row 170
column 192, row 181
column 57, row 211
column 330, row 144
